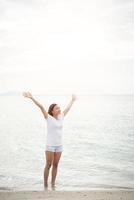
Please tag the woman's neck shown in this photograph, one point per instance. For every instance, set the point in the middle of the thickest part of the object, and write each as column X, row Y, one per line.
column 55, row 116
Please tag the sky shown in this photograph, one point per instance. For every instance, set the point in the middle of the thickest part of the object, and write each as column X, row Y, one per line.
column 67, row 46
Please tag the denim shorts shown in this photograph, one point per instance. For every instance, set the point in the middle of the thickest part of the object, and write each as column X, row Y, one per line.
column 54, row 148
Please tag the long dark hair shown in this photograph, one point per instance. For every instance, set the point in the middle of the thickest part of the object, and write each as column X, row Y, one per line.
column 50, row 109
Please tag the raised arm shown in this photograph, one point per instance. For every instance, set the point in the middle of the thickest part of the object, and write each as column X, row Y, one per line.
column 29, row 95
column 69, row 105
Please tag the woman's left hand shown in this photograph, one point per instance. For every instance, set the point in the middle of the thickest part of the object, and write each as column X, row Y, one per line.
column 74, row 97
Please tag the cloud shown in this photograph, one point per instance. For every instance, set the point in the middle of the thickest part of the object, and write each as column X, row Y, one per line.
column 72, row 44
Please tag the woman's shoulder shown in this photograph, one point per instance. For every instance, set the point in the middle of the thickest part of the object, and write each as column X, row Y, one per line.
column 61, row 116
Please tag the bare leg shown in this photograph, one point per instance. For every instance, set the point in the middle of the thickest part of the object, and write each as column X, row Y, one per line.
column 49, row 161
column 57, row 156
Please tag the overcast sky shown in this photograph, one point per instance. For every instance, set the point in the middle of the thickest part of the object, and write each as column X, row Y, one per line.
column 67, row 46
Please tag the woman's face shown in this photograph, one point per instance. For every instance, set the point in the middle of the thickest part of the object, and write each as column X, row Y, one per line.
column 56, row 110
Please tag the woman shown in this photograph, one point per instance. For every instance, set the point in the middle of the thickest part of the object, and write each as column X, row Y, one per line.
column 54, row 118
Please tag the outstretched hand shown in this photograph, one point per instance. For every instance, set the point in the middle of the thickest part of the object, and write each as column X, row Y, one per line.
column 74, row 97
column 27, row 94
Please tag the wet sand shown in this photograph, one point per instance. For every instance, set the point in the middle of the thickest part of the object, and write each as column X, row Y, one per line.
column 68, row 195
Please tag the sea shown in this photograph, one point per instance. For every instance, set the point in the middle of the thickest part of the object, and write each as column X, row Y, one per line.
column 98, row 143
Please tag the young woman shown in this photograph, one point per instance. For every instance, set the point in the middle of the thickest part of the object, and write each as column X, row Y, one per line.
column 54, row 118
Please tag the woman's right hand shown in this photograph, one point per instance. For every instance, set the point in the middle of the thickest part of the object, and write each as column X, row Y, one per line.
column 27, row 94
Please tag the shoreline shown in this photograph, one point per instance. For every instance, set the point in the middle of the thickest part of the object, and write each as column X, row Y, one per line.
column 106, row 194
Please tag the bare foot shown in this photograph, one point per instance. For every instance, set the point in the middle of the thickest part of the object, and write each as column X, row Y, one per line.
column 45, row 186
column 53, row 186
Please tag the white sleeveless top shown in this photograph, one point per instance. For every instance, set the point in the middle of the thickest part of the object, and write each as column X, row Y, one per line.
column 54, row 130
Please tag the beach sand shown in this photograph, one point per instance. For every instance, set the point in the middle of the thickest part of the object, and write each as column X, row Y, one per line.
column 69, row 195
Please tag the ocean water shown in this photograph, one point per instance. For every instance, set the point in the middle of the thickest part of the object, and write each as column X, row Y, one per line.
column 98, row 143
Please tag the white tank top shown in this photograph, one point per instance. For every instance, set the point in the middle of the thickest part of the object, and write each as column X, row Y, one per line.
column 54, row 130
